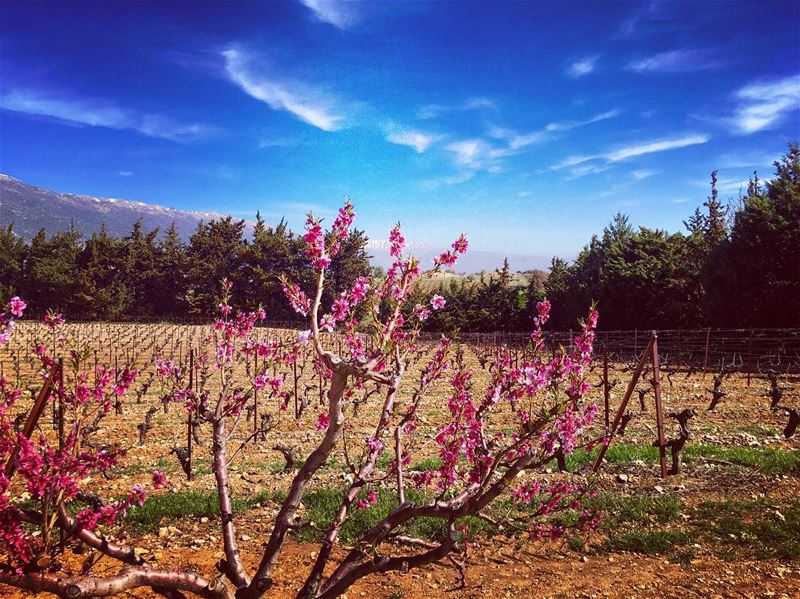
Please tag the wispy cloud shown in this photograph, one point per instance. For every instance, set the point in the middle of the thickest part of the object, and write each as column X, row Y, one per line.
column 419, row 140
column 96, row 113
column 634, row 150
column 124, row 173
column 448, row 180
column 524, row 194
column 472, row 153
column 337, row 13
column 582, row 66
column 725, row 185
column 432, row 111
column 642, row 173
column 518, row 141
column 651, row 147
column 686, row 60
column 278, row 141
column 642, row 14
column 581, row 171
column 749, row 159
column 310, row 106
column 764, row 105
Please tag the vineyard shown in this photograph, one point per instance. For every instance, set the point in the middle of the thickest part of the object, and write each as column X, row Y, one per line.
column 363, row 456
column 730, row 517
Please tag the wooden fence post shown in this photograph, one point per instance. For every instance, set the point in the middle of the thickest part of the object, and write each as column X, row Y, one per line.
column 189, row 423
column 33, row 417
column 631, row 386
column 662, row 450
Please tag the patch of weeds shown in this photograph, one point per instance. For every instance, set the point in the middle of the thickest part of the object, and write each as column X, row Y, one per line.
column 684, row 556
column 770, row 460
column 576, row 543
column 426, row 464
column 322, row 505
column 759, row 430
column 761, row 528
column 196, row 504
column 620, row 509
column 621, row 454
column 648, row 541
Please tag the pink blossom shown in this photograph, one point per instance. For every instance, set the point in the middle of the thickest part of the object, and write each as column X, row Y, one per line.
column 159, row 479
column 16, row 306
column 323, row 421
column 371, row 499
column 297, row 298
column 437, row 302
column 396, row 242
column 315, row 244
column 53, row 319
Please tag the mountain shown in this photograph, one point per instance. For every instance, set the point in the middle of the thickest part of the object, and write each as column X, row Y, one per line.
column 31, row 208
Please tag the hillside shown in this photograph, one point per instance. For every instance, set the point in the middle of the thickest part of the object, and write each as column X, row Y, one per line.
column 32, row 208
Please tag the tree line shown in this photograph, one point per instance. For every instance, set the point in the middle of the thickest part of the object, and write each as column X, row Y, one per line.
column 147, row 275
column 735, row 265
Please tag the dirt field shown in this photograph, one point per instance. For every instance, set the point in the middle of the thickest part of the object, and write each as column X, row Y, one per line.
column 727, row 526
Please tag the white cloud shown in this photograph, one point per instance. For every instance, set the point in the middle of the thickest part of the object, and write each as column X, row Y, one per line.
column 432, row 111
column 678, row 61
column 517, row 141
column 764, row 105
column 524, row 194
column 727, row 185
column 642, row 173
column 102, row 114
column 124, row 173
column 634, row 150
column 750, row 159
column 471, row 153
column 568, row 125
column 418, row 140
column 582, row 171
column 462, row 177
column 308, row 105
column 651, row 147
column 337, row 13
column 479, row 103
column 582, row 67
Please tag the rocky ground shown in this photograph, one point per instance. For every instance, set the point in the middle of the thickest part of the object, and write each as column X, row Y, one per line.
column 727, row 526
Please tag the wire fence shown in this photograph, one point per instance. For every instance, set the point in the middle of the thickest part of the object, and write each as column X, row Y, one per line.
column 741, row 350
column 759, row 351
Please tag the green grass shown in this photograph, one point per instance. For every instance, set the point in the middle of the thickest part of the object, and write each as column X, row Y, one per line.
column 195, row 504
column 731, row 529
column 622, row 454
column 761, row 528
column 322, row 505
column 426, row 464
column 770, row 460
column 648, row 541
column 759, row 430
column 638, row 509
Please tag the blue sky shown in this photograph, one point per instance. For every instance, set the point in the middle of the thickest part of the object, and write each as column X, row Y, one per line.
column 526, row 125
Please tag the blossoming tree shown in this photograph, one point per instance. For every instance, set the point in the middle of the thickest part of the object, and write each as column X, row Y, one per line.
column 495, row 441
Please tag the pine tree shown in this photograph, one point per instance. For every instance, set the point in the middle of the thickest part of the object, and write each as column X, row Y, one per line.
column 12, row 260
